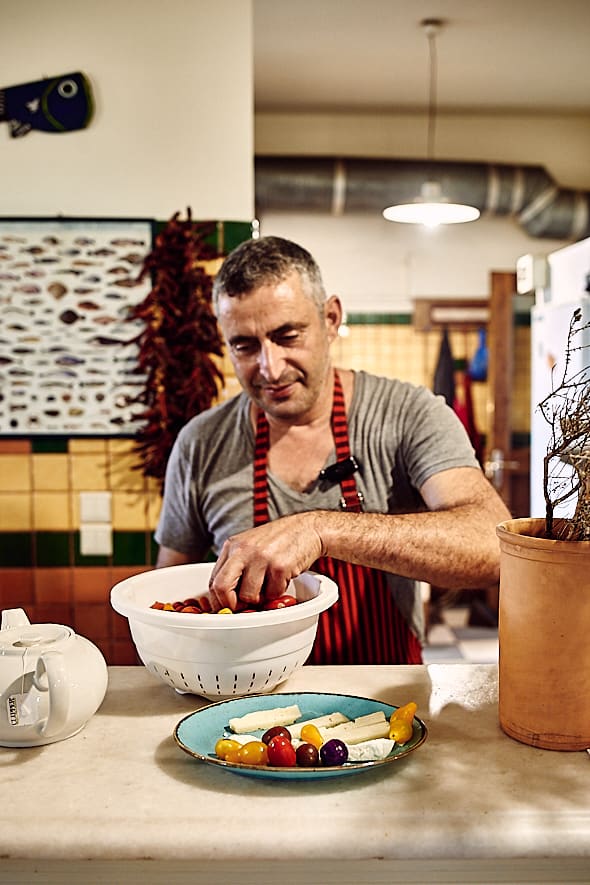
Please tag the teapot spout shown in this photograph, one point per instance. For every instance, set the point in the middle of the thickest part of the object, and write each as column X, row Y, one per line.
column 14, row 617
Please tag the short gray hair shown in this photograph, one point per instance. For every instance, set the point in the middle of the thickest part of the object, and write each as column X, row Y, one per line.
column 265, row 260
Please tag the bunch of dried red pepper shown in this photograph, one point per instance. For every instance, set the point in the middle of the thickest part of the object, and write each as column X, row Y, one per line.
column 179, row 338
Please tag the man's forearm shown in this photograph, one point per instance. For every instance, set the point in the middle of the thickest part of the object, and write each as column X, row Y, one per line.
column 455, row 548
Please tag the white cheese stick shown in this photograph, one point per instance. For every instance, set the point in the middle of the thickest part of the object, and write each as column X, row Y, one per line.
column 351, row 733
column 320, row 722
column 370, row 718
column 261, row 720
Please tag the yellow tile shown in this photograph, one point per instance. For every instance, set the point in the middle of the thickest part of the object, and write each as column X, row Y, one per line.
column 125, row 472
column 50, row 472
column 77, row 446
column 15, row 473
column 153, row 485
column 153, row 513
column 52, row 511
column 129, row 511
column 121, row 446
column 89, row 472
column 15, row 512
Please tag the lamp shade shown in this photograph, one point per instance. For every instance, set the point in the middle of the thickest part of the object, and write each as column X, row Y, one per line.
column 431, row 209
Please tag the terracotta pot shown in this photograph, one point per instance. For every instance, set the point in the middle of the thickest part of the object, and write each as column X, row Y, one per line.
column 544, row 637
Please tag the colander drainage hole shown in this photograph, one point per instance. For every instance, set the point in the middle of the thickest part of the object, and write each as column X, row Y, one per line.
column 184, row 679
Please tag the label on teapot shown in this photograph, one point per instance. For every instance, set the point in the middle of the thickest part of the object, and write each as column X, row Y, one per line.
column 20, row 710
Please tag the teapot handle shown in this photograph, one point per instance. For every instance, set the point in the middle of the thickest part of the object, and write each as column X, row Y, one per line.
column 50, row 675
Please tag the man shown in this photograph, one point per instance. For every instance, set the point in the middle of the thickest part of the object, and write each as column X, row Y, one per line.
column 368, row 480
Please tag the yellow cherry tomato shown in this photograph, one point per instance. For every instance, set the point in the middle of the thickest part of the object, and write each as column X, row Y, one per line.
column 311, row 735
column 225, row 611
column 407, row 712
column 234, row 755
column 400, row 731
column 400, row 723
column 253, row 753
column 225, row 746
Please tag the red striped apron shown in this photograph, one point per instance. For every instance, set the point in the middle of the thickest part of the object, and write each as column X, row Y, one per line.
column 365, row 626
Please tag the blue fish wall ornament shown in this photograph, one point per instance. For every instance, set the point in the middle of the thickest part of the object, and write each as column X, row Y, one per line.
column 56, row 104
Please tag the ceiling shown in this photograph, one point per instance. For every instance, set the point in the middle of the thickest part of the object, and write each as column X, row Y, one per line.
column 500, row 56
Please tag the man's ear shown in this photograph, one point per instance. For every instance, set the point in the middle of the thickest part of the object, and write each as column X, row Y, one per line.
column 333, row 316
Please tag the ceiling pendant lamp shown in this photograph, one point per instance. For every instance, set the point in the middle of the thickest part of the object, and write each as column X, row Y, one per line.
column 431, row 207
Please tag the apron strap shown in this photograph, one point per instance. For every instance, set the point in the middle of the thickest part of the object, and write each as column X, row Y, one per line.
column 351, row 499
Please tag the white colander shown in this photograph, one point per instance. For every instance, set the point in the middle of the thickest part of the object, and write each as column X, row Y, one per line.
column 219, row 656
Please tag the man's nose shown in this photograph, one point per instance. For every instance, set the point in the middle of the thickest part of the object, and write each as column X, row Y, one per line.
column 271, row 360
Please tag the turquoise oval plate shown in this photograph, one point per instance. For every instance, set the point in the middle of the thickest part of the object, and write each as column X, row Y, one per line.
column 198, row 732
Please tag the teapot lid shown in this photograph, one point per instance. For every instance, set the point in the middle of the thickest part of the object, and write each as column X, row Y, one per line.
column 18, row 635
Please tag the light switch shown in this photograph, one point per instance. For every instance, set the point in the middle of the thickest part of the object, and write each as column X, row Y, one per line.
column 96, row 539
column 95, row 507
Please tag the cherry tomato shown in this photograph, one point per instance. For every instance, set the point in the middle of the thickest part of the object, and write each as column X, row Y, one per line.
column 334, row 752
column 276, row 731
column 191, row 610
column 311, row 735
column 406, row 713
column 280, row 602
column 234, row 755
column 307, row 756
column 253, row 753
column 225, row 746
column 400, row 730
column 158, row 605
column 281, row 752
column 400, row 723
column 225, row 611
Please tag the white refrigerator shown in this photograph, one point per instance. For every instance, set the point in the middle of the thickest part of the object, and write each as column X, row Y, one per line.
column 569, row 280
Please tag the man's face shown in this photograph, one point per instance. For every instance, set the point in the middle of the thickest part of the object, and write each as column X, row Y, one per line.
column 279, row 344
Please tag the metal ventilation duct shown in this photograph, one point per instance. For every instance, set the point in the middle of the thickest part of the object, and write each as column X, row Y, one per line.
column 348, row 186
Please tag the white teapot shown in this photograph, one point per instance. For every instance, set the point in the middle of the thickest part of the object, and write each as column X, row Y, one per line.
column 51, row 681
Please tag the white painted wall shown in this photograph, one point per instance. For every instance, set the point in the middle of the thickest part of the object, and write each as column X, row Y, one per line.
column 375, row 265
column 174, row 127
column 174, row 120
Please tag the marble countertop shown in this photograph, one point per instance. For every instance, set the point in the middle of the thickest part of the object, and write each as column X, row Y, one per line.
column 470, row 801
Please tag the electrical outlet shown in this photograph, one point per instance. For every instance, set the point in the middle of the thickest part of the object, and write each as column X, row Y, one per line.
column 96, row 539
column 95, row 507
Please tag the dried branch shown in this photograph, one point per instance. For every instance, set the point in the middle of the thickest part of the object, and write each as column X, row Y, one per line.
column 566, row 466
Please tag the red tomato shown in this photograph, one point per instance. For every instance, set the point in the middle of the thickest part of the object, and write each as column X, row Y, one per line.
column 280, row 602
column 275, row 731
column 281, row 752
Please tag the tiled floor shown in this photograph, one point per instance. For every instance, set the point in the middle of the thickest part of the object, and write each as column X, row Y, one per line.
column 454, row 640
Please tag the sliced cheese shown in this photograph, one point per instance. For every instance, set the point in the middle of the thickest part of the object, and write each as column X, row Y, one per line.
column 351, row 733
column 370, row 718
column 320, row 722
column 261, row 720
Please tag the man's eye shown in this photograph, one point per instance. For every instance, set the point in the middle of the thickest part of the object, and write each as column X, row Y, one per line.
column 287, row 339
column 243, row 348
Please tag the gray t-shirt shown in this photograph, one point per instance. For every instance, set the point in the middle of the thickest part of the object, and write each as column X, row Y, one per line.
column 400, row 434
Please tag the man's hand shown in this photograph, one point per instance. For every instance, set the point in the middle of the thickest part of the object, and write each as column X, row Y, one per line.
column 262, row 560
